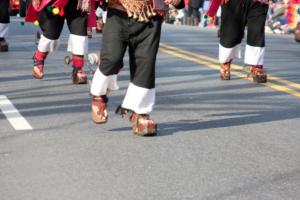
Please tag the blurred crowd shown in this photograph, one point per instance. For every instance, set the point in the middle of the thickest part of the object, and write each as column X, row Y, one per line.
column 283, row 15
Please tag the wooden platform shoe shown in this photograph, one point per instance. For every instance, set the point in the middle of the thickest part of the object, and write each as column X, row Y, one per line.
column 257, row 73
column 79, row 76
column 99, row 109
column 142, row 124
column 225, row 71
column 38, row 64
column 3, row 45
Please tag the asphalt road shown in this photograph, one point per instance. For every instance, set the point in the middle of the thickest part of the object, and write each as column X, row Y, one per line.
column 217, row 139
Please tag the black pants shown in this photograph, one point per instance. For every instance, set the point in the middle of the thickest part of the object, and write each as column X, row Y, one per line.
column 194, row 12
column 4, row 11
column 142, row 39
column 236, row 15
column 52, row 25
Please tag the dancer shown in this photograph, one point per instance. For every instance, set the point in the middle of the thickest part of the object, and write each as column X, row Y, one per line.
column 4, row 24
column 235, row 16
column 135, row 24
column 51, row 15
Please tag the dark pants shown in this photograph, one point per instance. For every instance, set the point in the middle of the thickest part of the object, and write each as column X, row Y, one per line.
column 236, row 15
column 52, row 25
column 194, row 12
column 4, row 11
column 142, row 39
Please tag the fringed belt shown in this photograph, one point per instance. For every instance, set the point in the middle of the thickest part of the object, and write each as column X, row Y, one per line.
column 140, row 10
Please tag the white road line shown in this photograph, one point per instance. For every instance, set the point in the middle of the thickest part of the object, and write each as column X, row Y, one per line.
column 13, row 115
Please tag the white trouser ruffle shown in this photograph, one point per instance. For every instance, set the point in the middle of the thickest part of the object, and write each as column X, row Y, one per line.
column 101, row 83
column 140, row 100
column 47, row 45
column 254, row 55
column 78, row 45
column 228, row 54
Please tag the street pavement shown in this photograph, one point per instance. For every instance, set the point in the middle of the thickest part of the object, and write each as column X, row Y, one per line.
column 217, row 140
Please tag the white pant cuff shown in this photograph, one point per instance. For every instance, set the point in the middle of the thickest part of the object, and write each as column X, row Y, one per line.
column 47, row 45
column 254, row 55
column 228, row 54
column 140, row 100
column 78, row 45
column 102, row 83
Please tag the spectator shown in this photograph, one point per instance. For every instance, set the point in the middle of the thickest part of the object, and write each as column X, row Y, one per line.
column 4, row 24
column 193, row 10
column 277, row 20
column 185, row 11
column 179, row 17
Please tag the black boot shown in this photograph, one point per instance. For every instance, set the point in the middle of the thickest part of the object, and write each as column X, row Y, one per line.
column 3, row 45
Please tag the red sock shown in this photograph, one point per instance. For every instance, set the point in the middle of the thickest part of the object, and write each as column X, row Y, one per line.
column 78, row 61
column 40, row 55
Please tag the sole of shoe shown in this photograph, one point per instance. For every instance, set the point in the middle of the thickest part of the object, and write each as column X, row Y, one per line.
column 146, row 133
column 77, row 81
column 225, row 78
column 36, row 75
column 260, row 79
column 4, row 49
column 98, row 120
column 151, row 134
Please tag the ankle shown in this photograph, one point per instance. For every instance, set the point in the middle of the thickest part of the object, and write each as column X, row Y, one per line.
column 39, row 59
column 101, row 97
column 41, row 56
column 256, row 66
column 78, row 61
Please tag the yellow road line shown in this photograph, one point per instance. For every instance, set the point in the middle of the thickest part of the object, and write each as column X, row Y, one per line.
column 236, row 73
column 238, row 67
column 289, row 83
column 282, row 89
column 202, row 62
column 189, row 53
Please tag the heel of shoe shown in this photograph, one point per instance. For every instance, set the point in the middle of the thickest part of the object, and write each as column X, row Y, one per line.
column 78, row 76
column 258, row 74
column 225, row 71
column 142, row 125
column 38, row 72
column 99, row 110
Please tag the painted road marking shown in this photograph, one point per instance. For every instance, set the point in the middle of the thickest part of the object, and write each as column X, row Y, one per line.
column 13, row 115
column 233, row 66
column 236, row 69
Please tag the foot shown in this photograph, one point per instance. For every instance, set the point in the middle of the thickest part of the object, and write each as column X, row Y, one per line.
column 225, row 71
column 38, row 65
column 78, row 76
column 142, row 125
column 99, row 109
column 38, row 72
column 3, row 46
column 258, row 74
